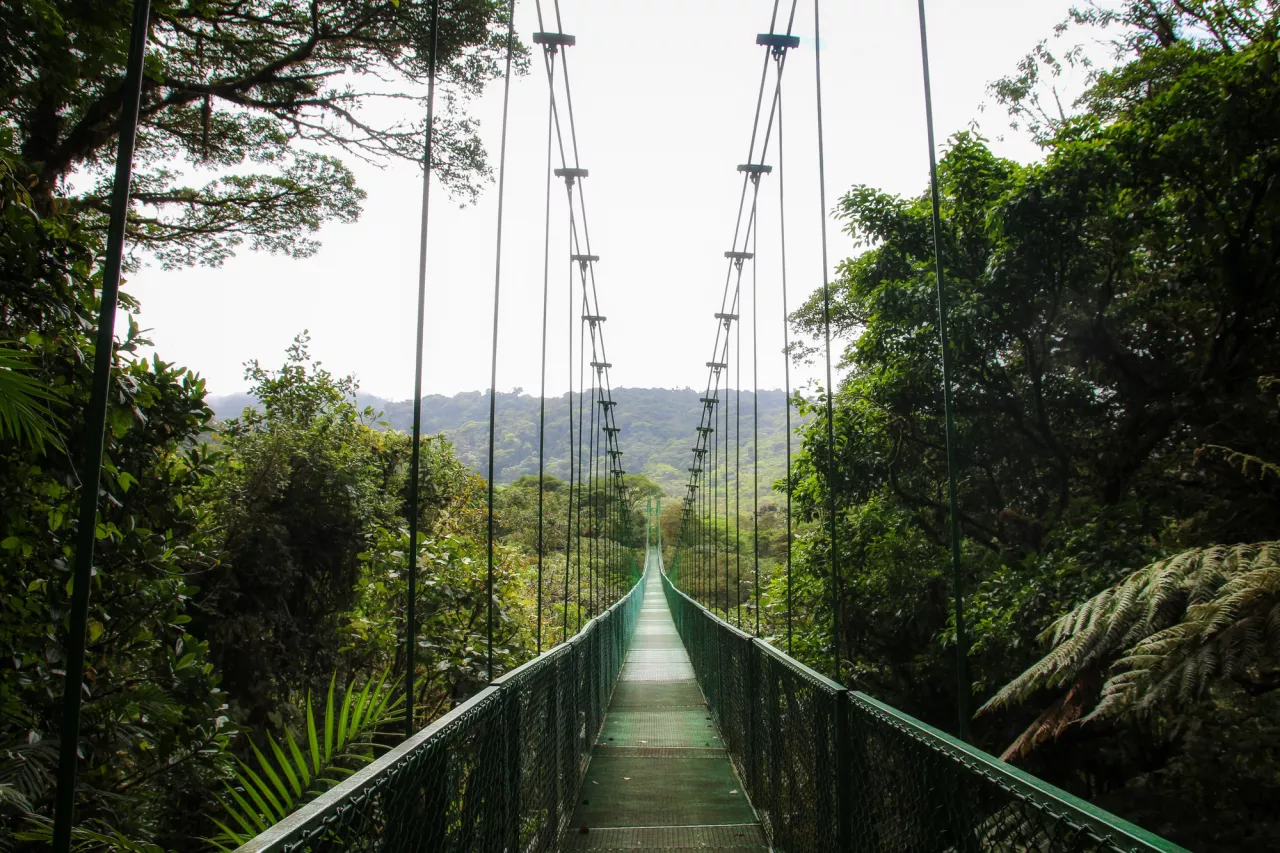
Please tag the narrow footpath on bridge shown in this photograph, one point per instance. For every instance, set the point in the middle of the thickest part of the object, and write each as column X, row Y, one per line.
column 660, row 777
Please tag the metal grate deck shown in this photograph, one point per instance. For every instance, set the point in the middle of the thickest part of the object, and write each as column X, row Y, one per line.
column 660, row 779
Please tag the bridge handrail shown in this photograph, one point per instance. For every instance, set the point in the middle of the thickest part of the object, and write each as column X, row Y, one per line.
column 829, row 768
column 501, row 770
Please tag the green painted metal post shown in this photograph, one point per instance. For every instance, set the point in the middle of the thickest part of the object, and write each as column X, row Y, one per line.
column 95, row 433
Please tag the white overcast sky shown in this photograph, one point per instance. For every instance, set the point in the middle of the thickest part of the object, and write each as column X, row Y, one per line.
column 663, row 92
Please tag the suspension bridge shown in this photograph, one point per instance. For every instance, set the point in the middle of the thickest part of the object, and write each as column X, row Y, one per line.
column 649, row 721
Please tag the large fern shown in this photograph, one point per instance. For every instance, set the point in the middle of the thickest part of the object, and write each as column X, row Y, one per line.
column 1161, row 637
column 288, row 775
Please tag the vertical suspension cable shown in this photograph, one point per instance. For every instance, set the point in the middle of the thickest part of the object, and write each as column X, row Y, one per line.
column 737, row 464
column 962, row 644
column 411, row 614
column 786, row 352
column 755, row 436
column 582, row 349
column 591, row 487
column 493, row 368
column 568, row 530
column 826, row 330
column 542, row 393
column 725, row 409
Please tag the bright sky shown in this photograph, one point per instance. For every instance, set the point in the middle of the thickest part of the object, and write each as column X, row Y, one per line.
column 663, row 92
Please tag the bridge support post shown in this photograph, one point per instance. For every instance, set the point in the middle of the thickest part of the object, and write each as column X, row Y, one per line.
column 844, row 773
column 512, row 760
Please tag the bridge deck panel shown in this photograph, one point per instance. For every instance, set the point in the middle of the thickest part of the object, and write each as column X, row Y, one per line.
column 659, row 777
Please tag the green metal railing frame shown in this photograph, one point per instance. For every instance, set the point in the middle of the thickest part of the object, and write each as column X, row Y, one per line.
column 499, row 772
column 832, row 794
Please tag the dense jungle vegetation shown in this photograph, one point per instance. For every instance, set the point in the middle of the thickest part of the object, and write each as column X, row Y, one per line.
column 1116, row 339
column 657, row 424
column 1117, row 372
column 249, row 582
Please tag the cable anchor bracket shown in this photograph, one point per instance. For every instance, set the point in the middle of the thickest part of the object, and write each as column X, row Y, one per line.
column 755, row 170
column 778, row 43
column 570, row 175
column 551, row 41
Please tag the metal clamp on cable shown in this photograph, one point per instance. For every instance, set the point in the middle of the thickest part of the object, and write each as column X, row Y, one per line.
column 600, row 365
column 727, row 319
column 583, row 260
column 778, row 43
column 717, row 365
column 739, row 257
column 755, row 170
column 594, row 318
column 570, row 175
column 551, row 41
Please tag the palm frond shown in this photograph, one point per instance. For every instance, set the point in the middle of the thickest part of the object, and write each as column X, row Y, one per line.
column 281, row 778
column 25, row 414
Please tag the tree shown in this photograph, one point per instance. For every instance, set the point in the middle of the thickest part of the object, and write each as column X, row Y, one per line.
column 154, row 726
column 248, row 96
column 1113, row 310
column 301, row 487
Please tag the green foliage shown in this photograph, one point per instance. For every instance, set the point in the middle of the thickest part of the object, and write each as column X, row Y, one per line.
column 25, row 416
column 1160, row 638
column 154, row 726
column 655, row 431
column 244, row 93
column 283, row 780
column 298, row 489
column 1113, row 313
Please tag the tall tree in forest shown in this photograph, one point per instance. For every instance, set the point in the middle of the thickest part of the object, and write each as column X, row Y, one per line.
column 245, row 106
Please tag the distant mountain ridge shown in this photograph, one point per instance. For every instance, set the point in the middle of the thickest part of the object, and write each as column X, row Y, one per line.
column 657, row 431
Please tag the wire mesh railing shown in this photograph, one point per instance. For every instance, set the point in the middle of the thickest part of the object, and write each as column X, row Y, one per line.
column 833, row 769
column 499, row 772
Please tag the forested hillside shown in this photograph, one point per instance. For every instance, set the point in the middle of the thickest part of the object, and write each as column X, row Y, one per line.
column 657, row 430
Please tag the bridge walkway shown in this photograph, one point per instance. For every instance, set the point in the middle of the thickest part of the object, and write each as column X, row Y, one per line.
column 660, row 777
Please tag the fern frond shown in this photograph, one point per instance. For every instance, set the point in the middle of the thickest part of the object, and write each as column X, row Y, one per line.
column 1164, row 634
column 1248, row 464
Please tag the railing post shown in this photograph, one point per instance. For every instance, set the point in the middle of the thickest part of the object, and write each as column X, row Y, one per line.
column 514, row 754
column 844, row 773
column 557, row 762
column 753, row 704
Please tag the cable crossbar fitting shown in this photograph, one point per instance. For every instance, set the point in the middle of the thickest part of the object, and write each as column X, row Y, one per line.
column 571, row 174
column 708, row 401
column 755, row 170
column 739, row 257
column 584, row 259
column 608, row 403
column 727, row 318
column 594, row 318
column 777, row 42
column 705, row 429
column 601, row 365
column 551, row 41
column 717, row 365
column 612, row 430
